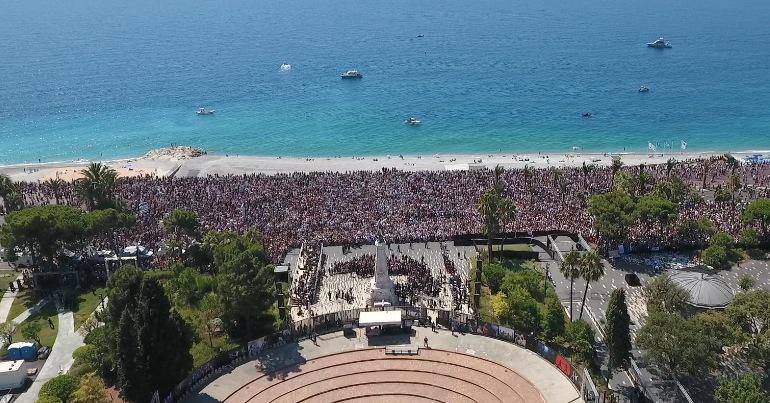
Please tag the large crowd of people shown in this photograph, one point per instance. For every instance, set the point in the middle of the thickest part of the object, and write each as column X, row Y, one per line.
column 343, row 208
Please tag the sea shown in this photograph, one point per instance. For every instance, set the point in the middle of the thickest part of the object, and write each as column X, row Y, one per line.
column 111, row 79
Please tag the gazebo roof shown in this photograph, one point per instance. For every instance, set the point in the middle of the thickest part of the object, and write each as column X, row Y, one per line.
column 706, row 290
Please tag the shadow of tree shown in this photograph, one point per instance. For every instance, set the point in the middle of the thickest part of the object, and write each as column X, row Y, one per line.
column 279, row 362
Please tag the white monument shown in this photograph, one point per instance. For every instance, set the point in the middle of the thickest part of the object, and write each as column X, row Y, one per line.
column 383, row 289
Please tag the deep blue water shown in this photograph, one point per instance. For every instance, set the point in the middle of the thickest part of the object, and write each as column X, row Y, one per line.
column 114, row 78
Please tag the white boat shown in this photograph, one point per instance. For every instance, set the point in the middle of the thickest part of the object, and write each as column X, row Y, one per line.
column 659, row 43
column 352, row 74
column 413, row 121
column 204, row 111
column 285, row 67
column 644, row 88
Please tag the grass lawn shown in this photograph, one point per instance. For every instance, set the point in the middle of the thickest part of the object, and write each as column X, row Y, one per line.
column 6, row 277
column 47, row 335
column 85, row 305
column 519, row 247
column 23, row 301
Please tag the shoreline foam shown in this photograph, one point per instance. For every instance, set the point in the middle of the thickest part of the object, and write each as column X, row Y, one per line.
column 189, row 161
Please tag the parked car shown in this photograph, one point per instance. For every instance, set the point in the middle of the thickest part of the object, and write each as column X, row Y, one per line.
column 633, row 280
column 43, row 352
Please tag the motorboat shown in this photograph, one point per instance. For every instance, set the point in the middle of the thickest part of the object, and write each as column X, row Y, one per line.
column 352, row 74
column 204, row 111
column 586, row 114
column 412, row 121
column 285, row 67
column 644, row 88
column 659, row 43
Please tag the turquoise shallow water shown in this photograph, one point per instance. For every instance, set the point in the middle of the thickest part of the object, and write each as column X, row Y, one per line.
column 113, row 79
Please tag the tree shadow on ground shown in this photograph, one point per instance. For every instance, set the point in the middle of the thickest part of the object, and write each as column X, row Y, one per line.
column 279, row 363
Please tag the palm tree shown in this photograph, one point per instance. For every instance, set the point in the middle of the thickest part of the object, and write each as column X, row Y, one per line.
column 570, row 269
column 489, row 208
column 55, row 185
column 507, row 212
column 732, row 162
column 670, row 164
column 586, row 170
column 615, row 168
column 592, row 269
column 642, row 179
column 97, row 185
column 735, row 185
column 499, row 170
column 706, row 168
column 528, row 174
column 10, row 192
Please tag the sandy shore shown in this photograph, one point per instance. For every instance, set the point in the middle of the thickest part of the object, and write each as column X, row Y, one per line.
column 182, row 164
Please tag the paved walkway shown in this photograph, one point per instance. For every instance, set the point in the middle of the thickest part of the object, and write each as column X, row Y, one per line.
column 7, row 301
column 60, row 360
column 554, row 386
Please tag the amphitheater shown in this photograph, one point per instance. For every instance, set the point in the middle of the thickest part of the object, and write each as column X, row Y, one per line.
column 455, row 368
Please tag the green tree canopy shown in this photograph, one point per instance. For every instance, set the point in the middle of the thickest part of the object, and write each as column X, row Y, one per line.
column 97, row 186
column 182, row 222
column 107, row 221
column 152, row 343
column 524, row 311
column 745, row 389
column 662, row 294
column 554, row 319
column 493, row 275
column 749, row 312
column 696, row 232
column 44, row 231
column 676, row 344
column 246, row 287
column 758, row 211
column 580, row 340
column 674, row 190
column 653, row 209
column 613, row 214
column 91, row 389
column 60, row 387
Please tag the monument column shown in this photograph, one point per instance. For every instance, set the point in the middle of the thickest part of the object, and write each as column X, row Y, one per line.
column 383, row 288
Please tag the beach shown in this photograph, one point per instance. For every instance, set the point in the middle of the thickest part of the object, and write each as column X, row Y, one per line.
column 189, row 162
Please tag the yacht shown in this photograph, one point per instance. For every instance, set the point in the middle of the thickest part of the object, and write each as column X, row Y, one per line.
column 413, row 121
column 644, row 88
column 352, row 74
column 285, row 67
column 660, row 43
column 204, row 111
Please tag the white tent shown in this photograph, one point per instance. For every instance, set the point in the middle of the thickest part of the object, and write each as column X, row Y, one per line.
column 380, row 318
column 11, row 374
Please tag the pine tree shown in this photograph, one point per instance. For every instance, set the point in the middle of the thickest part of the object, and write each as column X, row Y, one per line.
column 163, row 341
column 125, row 357
column 618, row 333
column 246, row 289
